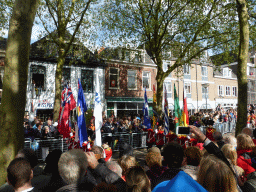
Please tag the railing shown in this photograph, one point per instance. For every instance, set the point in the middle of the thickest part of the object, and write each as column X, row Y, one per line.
column 45, row 146
column 136, row 140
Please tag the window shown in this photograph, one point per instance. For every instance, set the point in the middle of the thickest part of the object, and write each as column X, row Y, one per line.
column 220, row 90
column 113, row 78
column 204, row 71
column 38, row 76
column 66, row 76
column 146, row 79
column 132, row 82
column 226, row 72
column 166, row 66
column 228, row 93
column 138, row 57
column 187, row 87
column 205, row 90
column 186, row 70
column 168, row 86
column 234, row 93
column 87, row 80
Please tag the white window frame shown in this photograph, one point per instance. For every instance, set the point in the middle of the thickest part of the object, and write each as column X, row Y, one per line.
column 135, row 71
column 186, row 69
column 117, row 87
column 186, row 84
column 226, row 90
column 226, row 72
column 234, row 93
column 206, row 71
column 167, row 88
column 222, row 93
column 149, row 77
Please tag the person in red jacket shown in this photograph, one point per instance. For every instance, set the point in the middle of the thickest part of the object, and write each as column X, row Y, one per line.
column 244, row 150
column 150, row 138
column 170, row 137
column 160, row 137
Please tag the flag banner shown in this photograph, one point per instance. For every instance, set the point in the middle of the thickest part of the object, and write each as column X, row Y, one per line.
column 68, row 103
column 81, row 109
column 177, row 113
column 146, row 122
column 185, row 110
column 97, row 114
column 166, row 113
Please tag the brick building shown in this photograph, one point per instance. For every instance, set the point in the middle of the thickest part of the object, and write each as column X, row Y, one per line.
column 127, row 73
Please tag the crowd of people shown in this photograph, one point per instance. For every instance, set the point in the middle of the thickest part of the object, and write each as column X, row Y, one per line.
column 220, row 164
column 210, row 162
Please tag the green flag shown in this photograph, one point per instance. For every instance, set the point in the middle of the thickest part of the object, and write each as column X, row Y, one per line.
column 177, row 112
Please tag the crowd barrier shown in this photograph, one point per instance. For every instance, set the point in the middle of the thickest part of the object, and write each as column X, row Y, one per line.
column 136, row 140
column 44, row 147
column 227, row 127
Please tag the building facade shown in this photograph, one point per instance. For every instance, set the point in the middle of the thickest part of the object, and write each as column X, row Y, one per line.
column 196, row 81
column 127, row 73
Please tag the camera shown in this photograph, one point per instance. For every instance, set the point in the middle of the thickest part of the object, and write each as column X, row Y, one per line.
column 183, row 130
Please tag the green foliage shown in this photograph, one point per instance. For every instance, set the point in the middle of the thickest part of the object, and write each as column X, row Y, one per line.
column 185, row 28
column 5, row 12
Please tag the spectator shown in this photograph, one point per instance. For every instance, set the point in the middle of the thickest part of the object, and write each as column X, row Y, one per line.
column 126, row 162
column 46, row 133
column 72, row 168
column 248, row 131
column 107, row 151
column 192, row 159
column 154, row 162
column 244, row 148
column 51, row 169
column 181, row 182
column 137, row 180
column 154, row 149
column 230, row 153
column 229, row 139
column 115, row 167
column 217, row 136
column 99, row 154
column 215, row 176
column 125, row 149
column 173, row 155
column 19, row 175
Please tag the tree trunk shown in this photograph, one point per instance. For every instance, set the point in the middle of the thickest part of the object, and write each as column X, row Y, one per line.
column 242, row 65
column 15, row 82
column 58, row 83
column 159, row 93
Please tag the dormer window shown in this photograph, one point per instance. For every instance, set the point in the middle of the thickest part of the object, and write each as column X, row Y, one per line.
column 227, row 72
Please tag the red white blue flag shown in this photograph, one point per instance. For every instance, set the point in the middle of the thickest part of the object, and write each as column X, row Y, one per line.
column 68, row 103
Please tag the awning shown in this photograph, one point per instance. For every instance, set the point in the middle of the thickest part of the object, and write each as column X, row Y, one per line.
column 127, row 99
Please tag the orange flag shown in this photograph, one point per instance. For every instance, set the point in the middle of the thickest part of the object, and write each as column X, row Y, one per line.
column 185, row 111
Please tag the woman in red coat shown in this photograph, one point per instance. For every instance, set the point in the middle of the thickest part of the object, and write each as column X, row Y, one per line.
column 244, row 149
column 150, row 138
column 160, row 137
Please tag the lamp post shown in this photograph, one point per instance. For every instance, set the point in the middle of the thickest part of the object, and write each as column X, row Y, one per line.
column 205, row 86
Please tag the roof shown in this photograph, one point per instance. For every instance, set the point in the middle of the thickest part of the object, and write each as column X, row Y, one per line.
column 119, row 53
column 46, row 50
